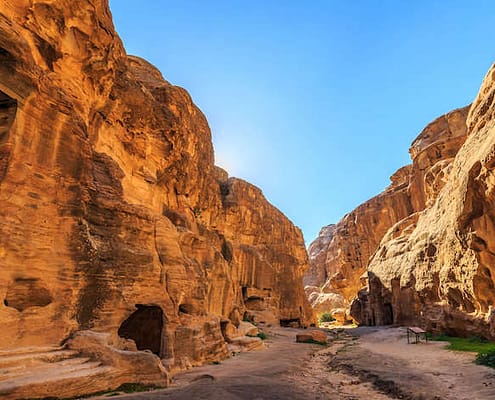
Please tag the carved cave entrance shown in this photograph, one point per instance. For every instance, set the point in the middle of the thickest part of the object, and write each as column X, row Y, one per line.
column 144, row 326
column 291, row 323
column 388, row 314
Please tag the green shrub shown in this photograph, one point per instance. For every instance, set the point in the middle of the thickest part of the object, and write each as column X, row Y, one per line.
column 326, row 317
column 487, row 359
column 262, row 335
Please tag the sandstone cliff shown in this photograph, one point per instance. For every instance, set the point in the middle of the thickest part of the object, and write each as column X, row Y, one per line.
column 439, row 270
column 317, row 252
column 114, row 219
column 413, row 187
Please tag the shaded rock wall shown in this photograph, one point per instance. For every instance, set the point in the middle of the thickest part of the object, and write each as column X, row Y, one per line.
column 111, row 201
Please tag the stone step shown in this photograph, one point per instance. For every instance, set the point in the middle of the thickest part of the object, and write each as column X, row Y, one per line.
column 27, row 350
column 32, row 358
column 41, row 382
column 21, row 371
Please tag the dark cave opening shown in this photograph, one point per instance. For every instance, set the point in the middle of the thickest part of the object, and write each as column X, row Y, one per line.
column 24, row 293
column 8, row 108
column 388, row 314
column 223, row 328
column 291, row 323
column 144, row 326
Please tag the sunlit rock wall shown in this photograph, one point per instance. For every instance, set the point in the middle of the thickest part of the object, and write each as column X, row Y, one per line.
column 113, row 214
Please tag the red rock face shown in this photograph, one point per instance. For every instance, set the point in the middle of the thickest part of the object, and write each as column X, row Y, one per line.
column 390, row 215
column 113, row 212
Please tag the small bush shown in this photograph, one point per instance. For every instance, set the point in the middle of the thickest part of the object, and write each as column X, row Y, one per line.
column 261, row 335
column 487, row 359
column 326, row 317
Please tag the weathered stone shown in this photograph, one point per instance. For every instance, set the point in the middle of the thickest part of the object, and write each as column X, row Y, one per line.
column 311, row 337
column 342, row 316
column 326, row 302
column 437, row 272
column 231, row 332
column 114, row 218
column 395, row 297
column 248, row 329
column 245, row 343
column 89, row 361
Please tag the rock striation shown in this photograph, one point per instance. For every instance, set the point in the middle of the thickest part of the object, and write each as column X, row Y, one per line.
column 117, row 231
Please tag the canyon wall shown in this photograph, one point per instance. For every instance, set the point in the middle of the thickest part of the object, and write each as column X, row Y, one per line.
column 114, row 219
column 438, row 269
column 424, row 248
column 394, row 212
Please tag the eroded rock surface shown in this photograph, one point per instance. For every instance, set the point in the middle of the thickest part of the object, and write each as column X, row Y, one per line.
column 113, row 214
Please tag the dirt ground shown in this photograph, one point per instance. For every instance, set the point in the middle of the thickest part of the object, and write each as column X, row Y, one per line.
column 360, row 363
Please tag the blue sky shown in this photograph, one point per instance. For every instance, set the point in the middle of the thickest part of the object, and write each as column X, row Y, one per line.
column 315, row 102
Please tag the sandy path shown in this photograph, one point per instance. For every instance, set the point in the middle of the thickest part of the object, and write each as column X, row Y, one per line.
column 263, row 374
column 364, row 363
column 414, row 371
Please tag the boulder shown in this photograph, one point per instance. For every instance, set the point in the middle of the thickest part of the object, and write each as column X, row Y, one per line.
column 312, row 336
column 245, row 343
column 247, row 329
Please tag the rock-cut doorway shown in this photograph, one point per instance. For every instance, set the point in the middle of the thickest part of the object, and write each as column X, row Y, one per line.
column 144, row 326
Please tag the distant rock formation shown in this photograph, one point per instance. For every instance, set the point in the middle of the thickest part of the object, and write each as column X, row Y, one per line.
column 116, row 229
column 317, row 252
